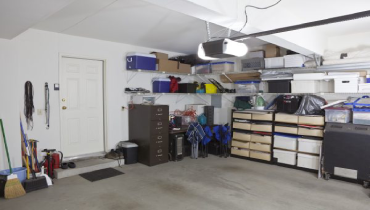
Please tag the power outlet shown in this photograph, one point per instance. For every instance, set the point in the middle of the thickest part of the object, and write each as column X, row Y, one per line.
column 39, row 112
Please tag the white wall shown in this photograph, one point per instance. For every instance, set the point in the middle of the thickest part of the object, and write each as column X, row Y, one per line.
column 9, row 110
column 349, row 42
column 37, row 53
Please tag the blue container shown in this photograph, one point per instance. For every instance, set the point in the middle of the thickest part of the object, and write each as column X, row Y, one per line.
column 136, row 61
column 161, row 85
column 20, row 171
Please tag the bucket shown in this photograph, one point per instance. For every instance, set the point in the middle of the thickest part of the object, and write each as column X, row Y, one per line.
column 20, row 172
column 211, row 88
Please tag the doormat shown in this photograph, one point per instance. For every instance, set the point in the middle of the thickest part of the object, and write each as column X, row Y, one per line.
column 101, row 174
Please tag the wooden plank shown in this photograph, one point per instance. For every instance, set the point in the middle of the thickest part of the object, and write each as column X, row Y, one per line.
column 241, row 76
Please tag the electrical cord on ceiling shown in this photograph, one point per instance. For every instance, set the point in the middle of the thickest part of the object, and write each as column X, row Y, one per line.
column 246, row 18
column 255, row 7
column 28, row 104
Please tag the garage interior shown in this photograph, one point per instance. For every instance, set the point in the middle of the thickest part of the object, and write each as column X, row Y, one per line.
column 152, row 104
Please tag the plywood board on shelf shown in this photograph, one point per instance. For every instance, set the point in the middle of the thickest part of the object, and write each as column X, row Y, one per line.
column 240, row 76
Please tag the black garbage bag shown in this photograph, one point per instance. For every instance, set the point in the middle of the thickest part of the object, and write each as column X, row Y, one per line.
column 310, row 105
column 189, row 59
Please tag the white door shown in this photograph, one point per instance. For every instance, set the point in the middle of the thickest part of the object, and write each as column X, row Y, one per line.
column 81, row 106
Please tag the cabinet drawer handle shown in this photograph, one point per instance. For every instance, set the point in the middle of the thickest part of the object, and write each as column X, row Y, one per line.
column 158, row 142
column 160, row 123
column 159, row 151
column 159, row 137
column 158, row 128
column 159, row 109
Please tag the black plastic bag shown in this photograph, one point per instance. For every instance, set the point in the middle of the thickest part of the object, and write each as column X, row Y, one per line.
column 310, row 105
column 189, row 59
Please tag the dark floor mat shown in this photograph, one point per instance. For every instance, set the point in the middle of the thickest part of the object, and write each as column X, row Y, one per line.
column 101, row 174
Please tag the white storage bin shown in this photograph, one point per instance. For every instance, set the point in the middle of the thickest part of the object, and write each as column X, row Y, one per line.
column 203, row 68
column 295, row 60
column 308, row 161
column 327, row 86
column 277, row 62
column 338, row 115
column 305, row 86
column 285, row 157
column 309, row 76
column 285, row 142
column 247, row 86
column 364, row 88
column 220, row 67
column 348, row 85
column 361, row 116
column 309, row 145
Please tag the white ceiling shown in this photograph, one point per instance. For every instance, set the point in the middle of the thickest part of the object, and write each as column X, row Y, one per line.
column 134, row 22
column 16, row 16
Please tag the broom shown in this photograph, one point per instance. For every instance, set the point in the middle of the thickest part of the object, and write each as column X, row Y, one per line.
column 13, row 187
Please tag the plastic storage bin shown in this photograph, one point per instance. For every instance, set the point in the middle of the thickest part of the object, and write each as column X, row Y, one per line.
column 279, row 86
column 187, row 87
column 361, row 116
column 203, row 68
column 285, row 141
column 285, row 157
column 211, row 88
column 308, row 161
column 220, row 67
column 309, row 145
column 338, row 115
column 307, row 86
column 295, row 60
column 277, row 62
column 143, row 61
column 161, row 85
column 129, row 150
column 20, row 171
column 348, row 85
column 247, row 86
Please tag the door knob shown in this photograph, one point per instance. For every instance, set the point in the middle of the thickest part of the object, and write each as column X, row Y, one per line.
column 64, row 107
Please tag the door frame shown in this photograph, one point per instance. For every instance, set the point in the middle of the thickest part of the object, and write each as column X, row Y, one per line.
column 105, row 113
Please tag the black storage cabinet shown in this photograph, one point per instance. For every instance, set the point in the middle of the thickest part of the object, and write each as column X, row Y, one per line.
column 279, row 86
column 346, row 151
column 187, row 88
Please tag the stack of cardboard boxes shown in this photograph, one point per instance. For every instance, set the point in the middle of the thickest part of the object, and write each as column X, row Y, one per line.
column 163, row 64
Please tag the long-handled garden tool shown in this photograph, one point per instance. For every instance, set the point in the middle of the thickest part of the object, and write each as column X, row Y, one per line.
column 34, row 183
column 13, row 187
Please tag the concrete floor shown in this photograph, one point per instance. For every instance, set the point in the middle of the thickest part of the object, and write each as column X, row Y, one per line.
column 212, row 183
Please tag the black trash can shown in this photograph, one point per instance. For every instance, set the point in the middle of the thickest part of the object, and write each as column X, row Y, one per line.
column 129, row 150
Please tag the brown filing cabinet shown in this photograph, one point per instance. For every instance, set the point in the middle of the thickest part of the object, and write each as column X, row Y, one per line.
column 148, row 127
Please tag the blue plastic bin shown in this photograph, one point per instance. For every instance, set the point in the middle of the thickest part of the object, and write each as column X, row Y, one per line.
column 161, row 85
column 20, row 171
column 135, row 61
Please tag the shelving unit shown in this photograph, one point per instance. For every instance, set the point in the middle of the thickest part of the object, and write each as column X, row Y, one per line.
column 252, row 138
column 287, row 148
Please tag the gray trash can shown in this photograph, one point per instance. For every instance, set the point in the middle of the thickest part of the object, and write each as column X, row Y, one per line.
column 129, row 150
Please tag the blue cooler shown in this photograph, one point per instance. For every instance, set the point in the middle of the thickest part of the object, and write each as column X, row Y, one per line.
column 161, row 85
column 135, row 61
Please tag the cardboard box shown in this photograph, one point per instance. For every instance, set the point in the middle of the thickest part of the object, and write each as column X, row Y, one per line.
column 260, row 155
column 160, row 55
column 242, row 136
column 261, row 127
column 166, row 65
column 264, row 117
column 243, row 126
column 240, row 144
column 261, row 139
column 272, row 51
column 311, row 120
column 286, row 118
column 183, row 68
column 310, row 132
column 240, row 152
column 286, row 129
column 260, row 147
column 240, row 115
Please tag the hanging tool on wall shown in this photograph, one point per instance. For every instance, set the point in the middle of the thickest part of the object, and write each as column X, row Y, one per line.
column 29, row 109
column 47, row 105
